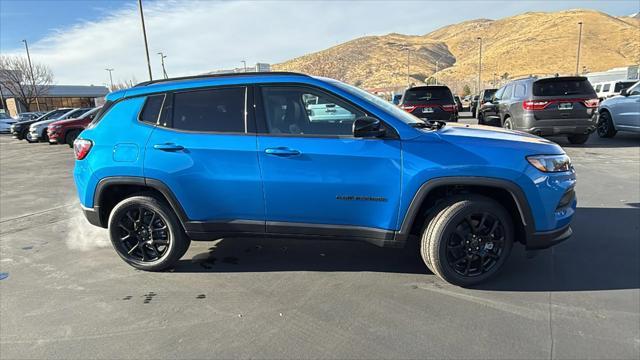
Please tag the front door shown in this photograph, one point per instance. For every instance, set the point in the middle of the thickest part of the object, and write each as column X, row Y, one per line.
column 319, row 179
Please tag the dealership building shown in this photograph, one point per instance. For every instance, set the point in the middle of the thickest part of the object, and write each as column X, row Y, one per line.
column 58, row 96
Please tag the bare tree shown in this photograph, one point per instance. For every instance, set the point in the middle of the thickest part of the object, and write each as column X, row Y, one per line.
column 120, row 85
column 18, row 81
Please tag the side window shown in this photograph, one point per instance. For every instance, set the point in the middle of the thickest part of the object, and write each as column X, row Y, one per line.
column 498, row 94
column 211, row 110
column 151, row 109
column 634, row 90
column 598, row 87
column 306, row 111
column 507, row 92
column 520, row 91
column 606, row 87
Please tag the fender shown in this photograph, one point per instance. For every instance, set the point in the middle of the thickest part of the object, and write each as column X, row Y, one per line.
column 138, row 181
column 516, row 192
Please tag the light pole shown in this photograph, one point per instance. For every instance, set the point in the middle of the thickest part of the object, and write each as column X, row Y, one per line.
column 164, row 71
column 33, row 80
column 110, row 78
column 408, row 62
column 144, row 34
column 479, row 63
column 244, row 63
column 579, row 43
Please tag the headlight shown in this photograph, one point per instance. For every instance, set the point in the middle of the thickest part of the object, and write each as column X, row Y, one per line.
column 550, row 163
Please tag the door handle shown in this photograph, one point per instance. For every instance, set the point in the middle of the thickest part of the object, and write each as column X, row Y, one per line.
column 281, row 151
column 168, row 147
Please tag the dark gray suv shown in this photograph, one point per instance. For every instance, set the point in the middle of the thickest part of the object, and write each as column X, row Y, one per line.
column 554, row 106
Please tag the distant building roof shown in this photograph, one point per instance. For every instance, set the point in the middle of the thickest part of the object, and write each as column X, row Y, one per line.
column 77, row 91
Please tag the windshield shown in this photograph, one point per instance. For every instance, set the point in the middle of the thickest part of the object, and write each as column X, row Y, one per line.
column 623, row 85
column 563, row 86
column 425, row 94
column 384, row 105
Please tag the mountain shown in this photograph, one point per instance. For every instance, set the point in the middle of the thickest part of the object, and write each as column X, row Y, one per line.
column 531, row 43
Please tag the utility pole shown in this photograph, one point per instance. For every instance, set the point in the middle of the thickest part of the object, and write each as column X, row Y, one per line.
column 33, row 80
column 479, row 64
column 164, row 71
column 110, row 78
column 436, row 73
column 408, row 62
column 144, row 34
column 244, row 63
column 579, row 43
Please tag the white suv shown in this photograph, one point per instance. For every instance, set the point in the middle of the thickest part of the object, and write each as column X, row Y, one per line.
column 608, row 89
column 620, row 113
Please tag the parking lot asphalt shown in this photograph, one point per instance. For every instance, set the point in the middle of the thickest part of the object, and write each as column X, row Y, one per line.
column 68, row 295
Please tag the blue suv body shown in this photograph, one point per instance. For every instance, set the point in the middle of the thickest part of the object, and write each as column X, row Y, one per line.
column 201, row 158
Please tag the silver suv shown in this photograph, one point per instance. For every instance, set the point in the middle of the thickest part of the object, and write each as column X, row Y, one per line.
column 620, row 113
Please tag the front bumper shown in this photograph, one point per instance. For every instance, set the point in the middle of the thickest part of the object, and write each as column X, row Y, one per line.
column 34, row 135
column 546, row 239
column 54, row 136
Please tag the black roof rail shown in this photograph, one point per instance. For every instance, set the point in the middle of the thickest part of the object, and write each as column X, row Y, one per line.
column 207, row 76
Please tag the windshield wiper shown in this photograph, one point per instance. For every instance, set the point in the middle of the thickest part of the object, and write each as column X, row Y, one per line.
column 431, row 124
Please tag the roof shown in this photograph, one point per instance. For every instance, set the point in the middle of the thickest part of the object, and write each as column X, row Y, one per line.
column 207, row 76
column 76, row 91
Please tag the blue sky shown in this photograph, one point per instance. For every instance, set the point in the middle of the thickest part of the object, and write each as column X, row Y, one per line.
column 79, row 38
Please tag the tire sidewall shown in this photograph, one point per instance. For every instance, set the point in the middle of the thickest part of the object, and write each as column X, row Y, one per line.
column 175, row 232
column 508, row 124
column 475, row 204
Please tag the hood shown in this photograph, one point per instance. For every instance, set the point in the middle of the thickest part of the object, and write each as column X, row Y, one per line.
column 480, row 135
column 43, row 122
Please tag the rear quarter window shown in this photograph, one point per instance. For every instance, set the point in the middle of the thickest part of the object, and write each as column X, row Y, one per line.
column 151, row 110
column 563, row 87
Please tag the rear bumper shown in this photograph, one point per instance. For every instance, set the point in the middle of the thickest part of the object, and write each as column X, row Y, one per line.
column 93, row 216
column 546, row 239
column 552, row 127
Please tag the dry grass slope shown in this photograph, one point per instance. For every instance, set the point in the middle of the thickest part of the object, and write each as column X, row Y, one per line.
column 529, row 43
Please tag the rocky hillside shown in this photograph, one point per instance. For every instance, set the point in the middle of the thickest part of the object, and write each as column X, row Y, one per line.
column 530, row 43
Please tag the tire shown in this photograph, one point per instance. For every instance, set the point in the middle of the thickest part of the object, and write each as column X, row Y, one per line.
column 605, row 126
column 71, row 136
column 480, row 119
column 459, row 219
column 578, row 139
column 44, row 137
column 28, row 138
column 133, row 238
column 508, row 123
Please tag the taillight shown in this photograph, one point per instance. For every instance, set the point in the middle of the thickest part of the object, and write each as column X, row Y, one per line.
column 81, row 148
column 535, row 104
column 591, row 103
column 449, row 108
column 407, row 108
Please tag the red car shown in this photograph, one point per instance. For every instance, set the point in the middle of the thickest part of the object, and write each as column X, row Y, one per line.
column 65, row 131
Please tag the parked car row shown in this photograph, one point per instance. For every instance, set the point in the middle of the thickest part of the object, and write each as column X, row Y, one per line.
column 59, row 126
column 559, row 106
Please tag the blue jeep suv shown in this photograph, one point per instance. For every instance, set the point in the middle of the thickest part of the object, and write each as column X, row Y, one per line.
column 237, row 155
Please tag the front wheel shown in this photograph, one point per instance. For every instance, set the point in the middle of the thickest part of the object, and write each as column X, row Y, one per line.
column 508, row 124
column 605, row 126
column 578, row 139
column 146, row 233
column 468, row 240
column 70, row 137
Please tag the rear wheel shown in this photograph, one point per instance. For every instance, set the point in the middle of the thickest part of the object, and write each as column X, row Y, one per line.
column 71, row 136
column 508, row 123
column 468, row 240
column 146, row 233
column 605, row 126
column 578, row 139
column 480, row 119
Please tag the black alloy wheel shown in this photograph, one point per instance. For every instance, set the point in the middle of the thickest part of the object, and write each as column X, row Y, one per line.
column 146, row 233
column 143, row 234
column 476, row 245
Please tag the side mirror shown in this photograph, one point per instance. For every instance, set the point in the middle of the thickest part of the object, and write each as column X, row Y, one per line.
column 624, row 92
column 368, row 127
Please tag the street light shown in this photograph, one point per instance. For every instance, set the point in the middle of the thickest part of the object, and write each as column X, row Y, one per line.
column 144, row 35
column 164, row 71
column 579, row 43
column 437, row 68
column 110, row 78
column 408, row 62
column 33, row 80
column 479, row 63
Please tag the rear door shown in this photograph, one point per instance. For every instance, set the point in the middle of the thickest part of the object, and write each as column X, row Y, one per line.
column 627, row 109
column 564, row 98
column 204, row 150
column 316, row 174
